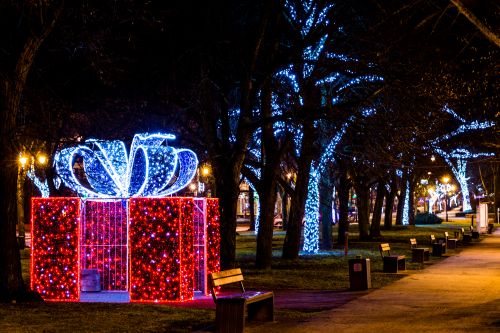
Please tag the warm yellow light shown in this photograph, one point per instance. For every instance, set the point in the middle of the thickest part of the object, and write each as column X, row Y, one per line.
column 42, row 159
column 205, row 171
column 446, row 179
column 23, row 160
column 192, row 186
column 452, row 188
column 289, row 175
column 433, row 158
column 430, row 190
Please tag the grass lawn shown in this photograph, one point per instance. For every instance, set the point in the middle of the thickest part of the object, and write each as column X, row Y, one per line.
column 326, row 271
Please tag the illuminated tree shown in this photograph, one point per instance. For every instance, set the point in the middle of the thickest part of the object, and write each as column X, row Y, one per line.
column 457, row 158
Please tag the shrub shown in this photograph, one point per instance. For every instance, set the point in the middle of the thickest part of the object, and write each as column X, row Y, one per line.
column 427, row 218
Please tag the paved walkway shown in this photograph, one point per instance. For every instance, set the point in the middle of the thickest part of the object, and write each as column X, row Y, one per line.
column 459, row 294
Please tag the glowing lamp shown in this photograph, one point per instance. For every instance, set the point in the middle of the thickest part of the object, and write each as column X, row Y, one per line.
column 42, row 159
column 23, row 160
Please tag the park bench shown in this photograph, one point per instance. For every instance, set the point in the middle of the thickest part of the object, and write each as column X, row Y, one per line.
column 232, row 307
column 438, row 246
column 466, row 235
column 392, row 263
column 451, row 243
column 418, row 254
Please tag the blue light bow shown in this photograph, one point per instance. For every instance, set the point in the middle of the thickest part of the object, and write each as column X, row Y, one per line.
column 102, row 169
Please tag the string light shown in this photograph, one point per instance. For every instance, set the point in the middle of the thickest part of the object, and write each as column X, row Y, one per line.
column 55, row 250
column 461, row 155
column 104, row 241
column 152, row 170
column 157, row 234
column 406, row 208
column 42, row 186
column 161, row 249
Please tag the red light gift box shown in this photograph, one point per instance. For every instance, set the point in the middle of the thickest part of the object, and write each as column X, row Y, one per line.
column 154, row 249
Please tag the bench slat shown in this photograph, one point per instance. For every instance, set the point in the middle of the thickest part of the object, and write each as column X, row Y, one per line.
column 385, row 247
column 249, row 296
column 229, row 272
column 227, row 280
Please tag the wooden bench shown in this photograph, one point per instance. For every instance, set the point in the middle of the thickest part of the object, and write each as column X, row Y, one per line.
column 392, row 263
column 451, row 243
column 418, row 254
column 232, row 307
column 466, row 236
column 438, row 247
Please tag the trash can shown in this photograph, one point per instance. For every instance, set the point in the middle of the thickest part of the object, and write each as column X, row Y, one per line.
column 359, row 274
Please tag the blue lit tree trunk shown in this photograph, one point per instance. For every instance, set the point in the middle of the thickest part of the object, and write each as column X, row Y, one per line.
column 311, row 223
column 291, row 245
column 402, row 199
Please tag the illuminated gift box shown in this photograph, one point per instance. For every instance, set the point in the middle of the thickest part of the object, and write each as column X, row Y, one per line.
column 157, row 249
column 154, row 247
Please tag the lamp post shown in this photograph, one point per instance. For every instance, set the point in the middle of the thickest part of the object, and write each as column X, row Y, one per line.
column 26, row 164
column 445, row 181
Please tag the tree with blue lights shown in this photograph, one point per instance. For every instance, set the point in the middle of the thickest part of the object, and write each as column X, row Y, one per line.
column 457, row 157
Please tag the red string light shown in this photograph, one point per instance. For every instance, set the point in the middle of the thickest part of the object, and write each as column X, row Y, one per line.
column 161, row 249
column 104, row 241
column 160, row 243
column 213, row 235
column 55, row 248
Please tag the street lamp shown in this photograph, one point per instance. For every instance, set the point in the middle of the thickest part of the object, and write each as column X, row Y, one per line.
column 205, row 171
column 445, row 181
column 23, row 160
column 41, row 159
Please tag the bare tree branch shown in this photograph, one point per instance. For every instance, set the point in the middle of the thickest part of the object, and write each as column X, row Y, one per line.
column 478, row 24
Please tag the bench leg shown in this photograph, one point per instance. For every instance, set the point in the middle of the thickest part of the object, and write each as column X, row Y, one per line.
column 390, row 265
column 230, row 316
column 417, row 255
column 402, row 264
column 262, row 310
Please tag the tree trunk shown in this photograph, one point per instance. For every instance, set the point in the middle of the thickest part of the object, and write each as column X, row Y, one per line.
column 251, row 208
column 401, row 199
column 389, row 206
column 325, row 201
column 284, row 209
column 377, row 210
column 343, row 196
column 363, row 204
column 12, row 86
column 291, row 245
column 227, row 185
column 496, row 189
column 11, row 281
column 271, row 158
column 411, row 210
column 267, row 199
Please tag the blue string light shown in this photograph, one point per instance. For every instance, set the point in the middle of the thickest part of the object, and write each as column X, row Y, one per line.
column 461, row 155
column 101, row 169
